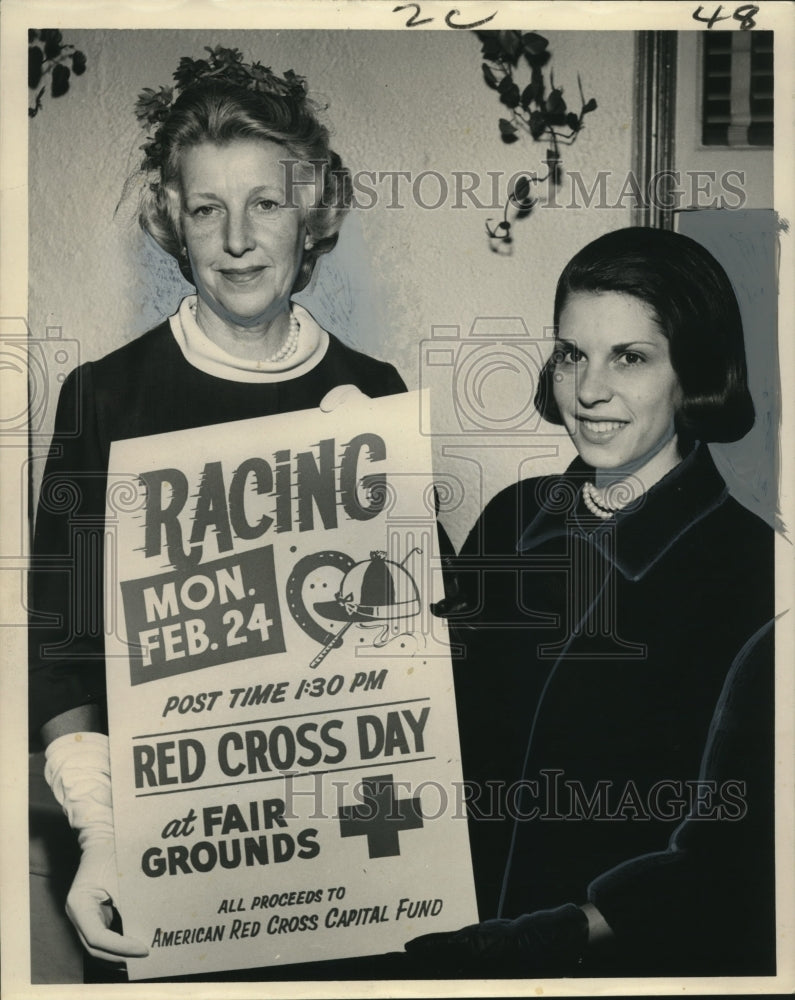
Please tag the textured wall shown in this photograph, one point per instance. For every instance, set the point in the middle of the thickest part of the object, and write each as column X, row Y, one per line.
column 396, row 101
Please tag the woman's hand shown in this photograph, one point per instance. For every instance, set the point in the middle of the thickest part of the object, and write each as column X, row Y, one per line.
column 545, row 943
column 78, row 772
column 89, row 905
column 341, row 394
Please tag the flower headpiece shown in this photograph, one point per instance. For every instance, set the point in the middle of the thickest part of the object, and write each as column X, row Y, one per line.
column 154, row 106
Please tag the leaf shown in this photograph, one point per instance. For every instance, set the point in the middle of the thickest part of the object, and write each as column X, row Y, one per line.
column 52, row 39
column 296, row 85
column 538, row 124
column 555, row 103
column 189, row 70
column 35, row 60
column 531, row 94
column 222, row 56
column 511, row 44
column 491, row 48
column 489, row 76
column 78, row 63
column 521, row 189
column 153, row 106
column 510, row 96
column 60, row 80
column 590, row 106
column 536, row 61
column 534, row 43
column 506, row 127
column 573, row 122
column 526, row 208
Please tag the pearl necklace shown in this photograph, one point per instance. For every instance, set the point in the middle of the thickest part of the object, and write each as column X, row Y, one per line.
column 595, row 502
column 288, row 348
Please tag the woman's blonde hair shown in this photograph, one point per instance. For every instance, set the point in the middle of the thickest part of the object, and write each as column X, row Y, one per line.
column 221, row 112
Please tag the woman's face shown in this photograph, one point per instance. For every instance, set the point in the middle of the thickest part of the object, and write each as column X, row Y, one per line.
column 244, row 242
column 613, row 381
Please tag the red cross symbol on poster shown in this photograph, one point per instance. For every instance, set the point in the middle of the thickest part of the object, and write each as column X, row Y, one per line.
column 381, row 817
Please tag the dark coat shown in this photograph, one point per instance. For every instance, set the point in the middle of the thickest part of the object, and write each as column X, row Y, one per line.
column 706, row 905
column 592, row 668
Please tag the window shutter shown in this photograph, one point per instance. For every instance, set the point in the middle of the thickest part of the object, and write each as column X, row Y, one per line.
column 737, row 106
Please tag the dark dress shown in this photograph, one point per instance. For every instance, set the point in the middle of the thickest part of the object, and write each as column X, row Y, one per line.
column 592, row 668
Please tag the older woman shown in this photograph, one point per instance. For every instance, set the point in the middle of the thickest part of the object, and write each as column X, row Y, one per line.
column 607, row 606
column 242, row 188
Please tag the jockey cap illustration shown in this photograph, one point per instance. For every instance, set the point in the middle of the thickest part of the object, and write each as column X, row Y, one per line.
column 374, row 592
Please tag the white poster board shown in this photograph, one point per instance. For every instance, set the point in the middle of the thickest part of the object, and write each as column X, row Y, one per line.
column 285, row 762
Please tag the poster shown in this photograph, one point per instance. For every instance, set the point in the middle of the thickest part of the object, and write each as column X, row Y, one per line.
column 403, row 87
column 286, row 774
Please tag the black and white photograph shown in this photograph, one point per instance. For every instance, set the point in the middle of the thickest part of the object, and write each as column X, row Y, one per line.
column 397, row 499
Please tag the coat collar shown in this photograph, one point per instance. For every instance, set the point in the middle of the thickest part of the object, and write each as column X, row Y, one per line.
column 643, row 532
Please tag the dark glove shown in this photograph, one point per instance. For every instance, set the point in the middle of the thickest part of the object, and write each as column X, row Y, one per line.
column 545, row 943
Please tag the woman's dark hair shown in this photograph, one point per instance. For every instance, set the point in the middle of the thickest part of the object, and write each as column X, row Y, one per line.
column 219, row 112
column 696, row 308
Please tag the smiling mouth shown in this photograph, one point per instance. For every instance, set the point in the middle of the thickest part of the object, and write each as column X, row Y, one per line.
column 240, row 276
column 602, row 426
column 600, row 431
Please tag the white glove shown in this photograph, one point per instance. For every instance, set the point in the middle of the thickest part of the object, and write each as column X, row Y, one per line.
column 341, row 394
column 78, row 772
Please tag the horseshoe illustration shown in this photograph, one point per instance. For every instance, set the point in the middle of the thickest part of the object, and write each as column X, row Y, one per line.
column 295, row 599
